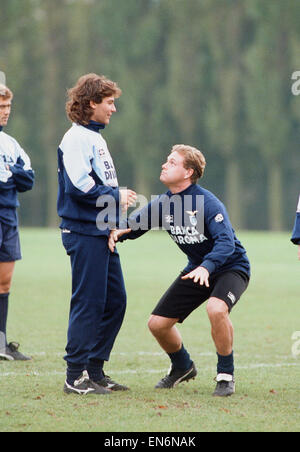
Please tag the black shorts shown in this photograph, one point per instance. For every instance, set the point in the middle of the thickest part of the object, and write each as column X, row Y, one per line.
column 184, row 295
column 10, row 249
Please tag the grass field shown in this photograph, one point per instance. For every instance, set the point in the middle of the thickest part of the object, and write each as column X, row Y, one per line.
column 267, row 373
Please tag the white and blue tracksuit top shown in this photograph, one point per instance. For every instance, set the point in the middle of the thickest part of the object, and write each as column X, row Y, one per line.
column 18, row 177
column 296, row 231
column 85, row 173
column 211, row 243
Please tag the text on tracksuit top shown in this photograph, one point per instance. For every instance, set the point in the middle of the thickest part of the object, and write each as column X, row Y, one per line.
column 85, row 172
column 200, row 227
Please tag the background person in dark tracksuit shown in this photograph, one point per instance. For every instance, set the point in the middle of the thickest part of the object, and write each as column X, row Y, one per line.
column 86, row 173
column 16, row 176
column 296, row 231
column 218, row 269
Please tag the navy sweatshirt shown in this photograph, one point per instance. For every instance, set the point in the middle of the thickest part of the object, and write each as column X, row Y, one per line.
column 296, row 231
column 86, row 176
column 18, row 178
column 198, row 223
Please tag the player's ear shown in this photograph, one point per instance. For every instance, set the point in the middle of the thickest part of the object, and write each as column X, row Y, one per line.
column 93, row 104
column 189, row 173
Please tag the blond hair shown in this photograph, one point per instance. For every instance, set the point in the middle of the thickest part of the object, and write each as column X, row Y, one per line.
column 193, row 158
column 5, row 92
column 89, row 87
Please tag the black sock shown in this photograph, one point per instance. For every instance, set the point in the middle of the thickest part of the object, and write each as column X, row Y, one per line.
column 225, row 364
column 181, row 359
column 73, row 372
column 3, row 313
column 94, row 369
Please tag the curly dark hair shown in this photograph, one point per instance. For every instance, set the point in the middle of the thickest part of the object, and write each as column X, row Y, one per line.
column 89, row 87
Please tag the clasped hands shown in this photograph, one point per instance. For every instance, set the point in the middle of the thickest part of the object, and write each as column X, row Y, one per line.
column 127, row 198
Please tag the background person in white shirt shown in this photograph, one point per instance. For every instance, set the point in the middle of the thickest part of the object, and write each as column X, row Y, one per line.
column 16, row 176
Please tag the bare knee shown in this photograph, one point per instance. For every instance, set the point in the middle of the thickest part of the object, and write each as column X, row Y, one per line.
column 6, row 273
column 5, row 285
column 158, row 325
column 217, row 309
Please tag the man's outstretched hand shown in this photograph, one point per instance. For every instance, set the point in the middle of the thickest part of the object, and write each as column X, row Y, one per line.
column 114, row 236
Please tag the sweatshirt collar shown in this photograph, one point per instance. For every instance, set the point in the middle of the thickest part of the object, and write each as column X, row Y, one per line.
column 95, row 126
column 1, row 128
column 186, row 191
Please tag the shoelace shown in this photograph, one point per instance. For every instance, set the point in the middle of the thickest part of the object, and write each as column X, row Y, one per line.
column 13, row 346
column 108, row 379
column 166, row 379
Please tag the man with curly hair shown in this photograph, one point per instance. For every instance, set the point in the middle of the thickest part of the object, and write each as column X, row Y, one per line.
column 86, row 179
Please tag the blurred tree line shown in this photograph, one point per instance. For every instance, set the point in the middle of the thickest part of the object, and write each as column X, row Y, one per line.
column 215, row 74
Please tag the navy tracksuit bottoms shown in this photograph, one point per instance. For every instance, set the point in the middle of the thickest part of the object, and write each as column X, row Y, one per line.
column 98, row 300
